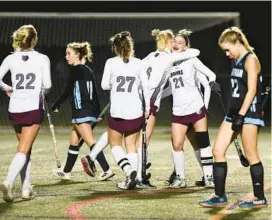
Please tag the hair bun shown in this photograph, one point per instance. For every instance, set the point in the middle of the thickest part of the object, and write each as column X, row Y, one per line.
column 125, row 34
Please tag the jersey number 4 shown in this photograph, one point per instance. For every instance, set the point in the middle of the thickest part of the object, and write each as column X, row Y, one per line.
column 122, row 81
column 21, row 78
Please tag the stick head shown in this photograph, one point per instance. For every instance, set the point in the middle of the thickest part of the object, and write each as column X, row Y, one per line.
column 244, row 161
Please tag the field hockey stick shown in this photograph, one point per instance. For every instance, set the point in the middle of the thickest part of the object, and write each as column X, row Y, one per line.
column 145, row 176
column 51, row 126
column 242, row 158
column 266, row 96
column 101, row 115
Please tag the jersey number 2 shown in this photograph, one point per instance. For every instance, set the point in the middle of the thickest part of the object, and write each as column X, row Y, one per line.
column 21, row 78
column 234, row 85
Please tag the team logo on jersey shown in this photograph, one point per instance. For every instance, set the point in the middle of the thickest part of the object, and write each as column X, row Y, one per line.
column 25, row 57
column 157, row 54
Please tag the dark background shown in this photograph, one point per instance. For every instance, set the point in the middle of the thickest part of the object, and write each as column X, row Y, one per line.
column 255, row 21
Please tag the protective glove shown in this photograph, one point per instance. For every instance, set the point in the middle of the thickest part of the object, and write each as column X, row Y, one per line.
column 215, row 86
column 237, row 122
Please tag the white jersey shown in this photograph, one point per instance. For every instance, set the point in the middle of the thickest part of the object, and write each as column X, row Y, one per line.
column 126, row 82
column 187, row 98
column 157, row 65
column 30, row 74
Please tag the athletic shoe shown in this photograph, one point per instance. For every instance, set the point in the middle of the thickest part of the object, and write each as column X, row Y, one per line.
column 129, row 182
column 209, row 182
column 59, row 173
column 8, row 191
column 88, row 165
column 106, row 175
column 171, row 178
column 178, row 182
column 215, row 201
column 200, row 182
column 28, row 194
column 255, row 203
column 144, row 185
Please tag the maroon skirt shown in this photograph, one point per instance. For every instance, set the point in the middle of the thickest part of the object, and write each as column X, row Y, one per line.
column 188, row 119
column 123, row 125
column 28, row 118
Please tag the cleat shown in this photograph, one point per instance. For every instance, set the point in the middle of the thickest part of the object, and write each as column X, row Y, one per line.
column 253, row 203
column 215, row 201
column 209, row 182
column 28, row 194
column 129, row 182
column 171, row 179
column 106, row 175
column 7, row 189
column 59, row 173
column 144, row 185
column 88, row 165
column 200, row 182
column 178, row 182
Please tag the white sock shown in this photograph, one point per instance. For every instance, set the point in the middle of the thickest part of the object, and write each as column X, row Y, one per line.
column 178, row 157
column 120, row 157
column 15, row 167
column 139, row 167
column 197, row 155
column 99, row 146
column 25, row 174
column 133, row 159
column 207, row 160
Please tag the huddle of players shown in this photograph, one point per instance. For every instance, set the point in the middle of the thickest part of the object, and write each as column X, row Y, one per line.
column 136, row 89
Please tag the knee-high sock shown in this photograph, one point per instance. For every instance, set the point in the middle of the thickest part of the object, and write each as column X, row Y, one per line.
column 96, row 152
column 178, row 157
column 16, row 166
column 257, row 176
column 71, row 158
column 25, row 173
column 197, row 155
column 220, row 170
column 133, row 159
column 206, row 156
column 121, row 159
column 140, row 162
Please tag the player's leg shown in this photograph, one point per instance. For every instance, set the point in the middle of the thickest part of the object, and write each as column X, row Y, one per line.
column 250, row 141
column 27, row 138
column 97, row 153
column 203, row 141
column 149, row 130
column 191, row 135
column 222, row 142
column 85, row 131
column 178, row 132
column 115, row 140
column 73, row 151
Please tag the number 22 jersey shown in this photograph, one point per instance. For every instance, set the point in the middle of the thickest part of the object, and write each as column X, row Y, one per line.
column 30, row 75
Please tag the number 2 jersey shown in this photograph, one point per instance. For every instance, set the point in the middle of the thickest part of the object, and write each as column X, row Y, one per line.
column 127, row 83
column 30, row 75
column 239, row 90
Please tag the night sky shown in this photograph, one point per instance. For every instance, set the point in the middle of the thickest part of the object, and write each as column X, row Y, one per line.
column 255, row 16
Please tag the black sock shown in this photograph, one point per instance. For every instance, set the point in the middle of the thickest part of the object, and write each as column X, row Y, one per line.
column 71, row 158
column 220, row 170
column 257, row 176
column 101, row 160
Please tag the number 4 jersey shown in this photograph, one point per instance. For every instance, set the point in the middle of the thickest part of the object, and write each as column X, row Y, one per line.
column 30, row 74
column 239, row 90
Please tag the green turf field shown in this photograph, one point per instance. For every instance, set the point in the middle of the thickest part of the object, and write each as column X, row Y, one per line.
column 87, row 198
